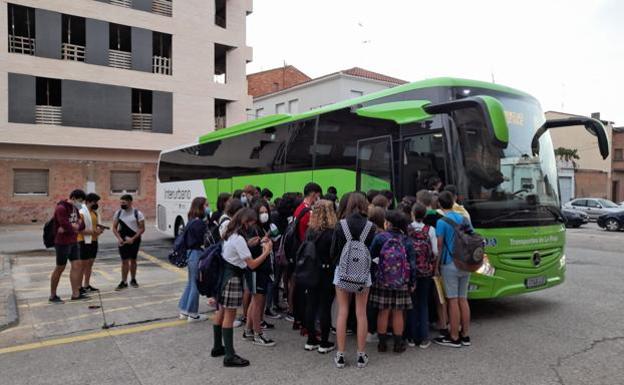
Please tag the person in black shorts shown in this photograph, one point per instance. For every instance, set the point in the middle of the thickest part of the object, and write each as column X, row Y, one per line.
column 128, row 226
column 88, row 239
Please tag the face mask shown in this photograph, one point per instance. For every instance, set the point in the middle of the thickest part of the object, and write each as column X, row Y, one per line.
column 244, row 199
column 264, row 217
column 207, row 212
column 94, row 207
column 124, row 207
column 78, row 205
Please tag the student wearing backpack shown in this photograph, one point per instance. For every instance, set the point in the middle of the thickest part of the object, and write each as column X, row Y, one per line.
column 455, row 280
column 237, row 257
column 258, row 279
column 128, row 226
column 425, row 242
column 320, row 295
column 394, row 279
column 353, row 235
column 67, row 225
column 194, row 235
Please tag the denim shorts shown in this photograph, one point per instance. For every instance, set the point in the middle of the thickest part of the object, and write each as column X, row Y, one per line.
column 455, row 281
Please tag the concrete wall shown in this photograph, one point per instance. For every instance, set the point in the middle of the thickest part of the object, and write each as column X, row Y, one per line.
column 591, row 183
column 318, row 93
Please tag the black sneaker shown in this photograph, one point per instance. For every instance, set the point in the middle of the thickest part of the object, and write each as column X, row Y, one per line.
column 248, row 335
column 312, row 345
column 443, row 333
column 134, row 283
column 122, row 285
column 448, row 341
column 261, row 340
column 235, row 362
column 83, row 290
column 272, row 314
column 81, row 297
column 91, row 289
column 326, row 347
column 265, row 325
column 399, row 347
column 217, row 352
column 382, row 347
column 465, row 341
column 56, row 300
column 362, row 360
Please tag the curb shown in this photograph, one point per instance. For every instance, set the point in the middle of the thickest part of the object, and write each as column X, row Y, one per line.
column 8, row 299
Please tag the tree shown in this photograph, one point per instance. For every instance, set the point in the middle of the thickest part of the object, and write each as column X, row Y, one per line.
column 567, row 154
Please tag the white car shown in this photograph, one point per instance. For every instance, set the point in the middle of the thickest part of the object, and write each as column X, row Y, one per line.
column 593, row 207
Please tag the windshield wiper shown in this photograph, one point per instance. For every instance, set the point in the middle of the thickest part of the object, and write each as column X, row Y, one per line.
column 554, row 211
column 507, row 215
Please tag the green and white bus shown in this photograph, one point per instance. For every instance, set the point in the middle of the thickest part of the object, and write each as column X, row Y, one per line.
column 491, row 141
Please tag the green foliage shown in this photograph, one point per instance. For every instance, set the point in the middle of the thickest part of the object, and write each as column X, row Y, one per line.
column 567, row 154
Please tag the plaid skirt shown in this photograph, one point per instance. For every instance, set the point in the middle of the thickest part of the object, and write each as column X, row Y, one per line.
column 397, row 299
column 232, row 293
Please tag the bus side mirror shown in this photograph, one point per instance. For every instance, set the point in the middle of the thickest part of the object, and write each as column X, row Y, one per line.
column 593, row 126
column 491, row 110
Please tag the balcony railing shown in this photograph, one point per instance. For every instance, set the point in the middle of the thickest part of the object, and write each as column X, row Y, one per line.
column 122, row 3
column 141, row 122
column 20, row 44
column 73, row 52
column 219, row 122
column 48, row 115
column 161, row 65
column 119, row 59
column 161, row 7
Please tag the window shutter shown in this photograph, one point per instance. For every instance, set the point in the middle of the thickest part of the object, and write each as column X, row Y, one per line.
column 125, row 182
column 30, row 182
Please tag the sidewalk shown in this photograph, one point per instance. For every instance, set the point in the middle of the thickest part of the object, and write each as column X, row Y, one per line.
column 28, row 238
column 8, row 305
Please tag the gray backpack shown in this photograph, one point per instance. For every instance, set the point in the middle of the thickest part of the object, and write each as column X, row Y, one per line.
column 353, row 271
column 468, row 252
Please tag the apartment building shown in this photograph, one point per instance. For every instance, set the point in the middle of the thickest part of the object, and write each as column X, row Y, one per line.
column 95, row 89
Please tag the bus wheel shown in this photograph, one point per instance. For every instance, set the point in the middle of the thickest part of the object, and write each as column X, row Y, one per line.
column 179, row 226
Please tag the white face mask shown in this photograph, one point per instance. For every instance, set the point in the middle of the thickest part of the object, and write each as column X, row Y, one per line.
column 264, row 217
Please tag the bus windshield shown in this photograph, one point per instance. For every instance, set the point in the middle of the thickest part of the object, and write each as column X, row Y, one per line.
column 508, row 187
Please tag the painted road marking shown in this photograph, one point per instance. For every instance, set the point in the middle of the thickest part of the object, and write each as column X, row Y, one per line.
column 91, row 336
column 104, row 299
column 164, row 265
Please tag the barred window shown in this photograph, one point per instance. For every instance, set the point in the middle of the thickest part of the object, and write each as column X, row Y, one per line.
column 30, row 182
column 125, row 182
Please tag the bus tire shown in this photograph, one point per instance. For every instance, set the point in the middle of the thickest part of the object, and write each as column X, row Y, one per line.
column 179, row 225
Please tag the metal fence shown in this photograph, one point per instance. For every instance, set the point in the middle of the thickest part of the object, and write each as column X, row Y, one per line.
column 119, row 59
column 141, row 122
column 162, row 7
column 73, row 52
column 161, row 65
column 20, row 44
column 48, row 115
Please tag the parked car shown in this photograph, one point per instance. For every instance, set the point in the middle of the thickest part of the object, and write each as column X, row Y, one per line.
column 612, row 221
column 574, row 218
column 593, row 207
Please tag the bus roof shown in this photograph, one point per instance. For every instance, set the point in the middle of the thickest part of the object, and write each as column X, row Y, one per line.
column 273, row 120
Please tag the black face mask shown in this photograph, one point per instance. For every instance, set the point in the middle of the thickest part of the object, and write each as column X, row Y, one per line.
column 94, row 207
column 124, row 207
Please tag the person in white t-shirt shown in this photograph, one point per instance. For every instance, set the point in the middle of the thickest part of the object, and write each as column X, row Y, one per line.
column 237, row 257
column 128, row 226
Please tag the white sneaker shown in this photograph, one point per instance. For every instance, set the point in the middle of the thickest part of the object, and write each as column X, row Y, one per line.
column 371, row 338
column 362, row 360
column 237, row 323
column 197, row 318
column 182, row 316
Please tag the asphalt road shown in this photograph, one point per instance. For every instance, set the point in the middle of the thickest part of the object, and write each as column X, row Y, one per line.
column 571, row 334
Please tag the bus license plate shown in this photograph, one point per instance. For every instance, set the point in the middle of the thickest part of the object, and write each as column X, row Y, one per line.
column 535, row 282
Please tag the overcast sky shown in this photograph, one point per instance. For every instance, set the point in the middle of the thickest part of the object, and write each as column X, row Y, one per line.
column 569, row 54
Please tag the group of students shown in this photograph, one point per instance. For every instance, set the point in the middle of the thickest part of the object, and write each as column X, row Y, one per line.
column 74, row 231
column 378, row 263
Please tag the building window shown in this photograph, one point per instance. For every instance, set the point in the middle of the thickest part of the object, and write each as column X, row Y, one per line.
column 21, row 22
column 125, row 182
column 293, row 106
column 161, row 51
column 617, row 154
column 356, row 93
column 220, row 113
column 141, row 110
column 220, row 13
column 120, row 46
column 30, row 182
column 280, row 108
column 220, row 64
column 161, row 7
column 74, row 38
column 48, row 108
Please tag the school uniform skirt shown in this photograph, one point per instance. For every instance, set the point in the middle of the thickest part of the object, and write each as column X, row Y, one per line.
column 231, row 295
column 395, row 299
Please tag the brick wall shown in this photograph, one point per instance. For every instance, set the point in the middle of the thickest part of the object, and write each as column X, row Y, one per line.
column 265, row 82
column 591, row 183
column 65, row 176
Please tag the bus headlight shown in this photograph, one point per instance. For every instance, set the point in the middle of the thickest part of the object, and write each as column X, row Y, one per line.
column 486, row 269
column 562, row 261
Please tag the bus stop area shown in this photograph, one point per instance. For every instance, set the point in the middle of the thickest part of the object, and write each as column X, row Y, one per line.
column 570, row 334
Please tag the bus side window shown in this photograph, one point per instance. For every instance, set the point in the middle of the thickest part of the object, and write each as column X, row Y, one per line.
column 299, row 145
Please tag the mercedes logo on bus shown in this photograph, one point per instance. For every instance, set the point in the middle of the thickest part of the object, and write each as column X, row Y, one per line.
column 537, row 258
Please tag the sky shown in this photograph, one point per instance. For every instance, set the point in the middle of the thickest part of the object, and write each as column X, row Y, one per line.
column 568, row 54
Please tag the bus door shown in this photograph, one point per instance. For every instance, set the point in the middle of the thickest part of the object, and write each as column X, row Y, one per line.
column 374, row 165
column 421, row 160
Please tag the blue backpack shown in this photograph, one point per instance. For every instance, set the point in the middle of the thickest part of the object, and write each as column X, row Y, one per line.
column 178, row 256
column 210, row 270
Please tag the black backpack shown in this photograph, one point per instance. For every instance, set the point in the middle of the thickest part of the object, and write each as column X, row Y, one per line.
column 210, row 270
column 291, row 237
column 215, row 234
column 308, row 263
column 49, row 233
